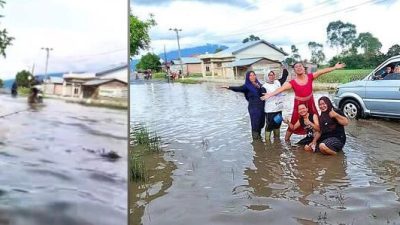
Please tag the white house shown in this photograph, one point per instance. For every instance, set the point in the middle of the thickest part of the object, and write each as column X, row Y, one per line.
column 119, row 72
column 259, row 56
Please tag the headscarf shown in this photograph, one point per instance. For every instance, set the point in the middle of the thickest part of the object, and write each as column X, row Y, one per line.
column 249, row 85
column 266, row 78
column 325, row 118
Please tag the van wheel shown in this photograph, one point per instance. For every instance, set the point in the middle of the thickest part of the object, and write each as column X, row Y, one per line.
column 351, row 109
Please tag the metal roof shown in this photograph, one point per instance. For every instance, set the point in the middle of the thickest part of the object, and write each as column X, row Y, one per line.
column 250, row 61
column 238, row 48
column 111, row 69
column 187, row 60
column 56, row 80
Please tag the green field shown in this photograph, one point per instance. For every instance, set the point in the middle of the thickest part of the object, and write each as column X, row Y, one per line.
column 343, row 76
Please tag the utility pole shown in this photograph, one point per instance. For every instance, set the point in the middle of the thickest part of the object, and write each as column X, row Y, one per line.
column 179, row 47
column 33, row 69
column 166, row 64
column 47, row 59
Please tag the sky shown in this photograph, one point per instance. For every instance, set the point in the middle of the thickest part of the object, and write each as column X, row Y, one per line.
column 283, row 23
column 85, row 35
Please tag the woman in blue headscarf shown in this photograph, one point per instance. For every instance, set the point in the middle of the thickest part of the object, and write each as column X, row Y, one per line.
column 253, row 90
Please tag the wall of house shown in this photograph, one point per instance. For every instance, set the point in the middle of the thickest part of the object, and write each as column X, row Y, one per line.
column 262, row 67
column 260, row 50
column 194, row 68
column 113, row 89
column 57, row 89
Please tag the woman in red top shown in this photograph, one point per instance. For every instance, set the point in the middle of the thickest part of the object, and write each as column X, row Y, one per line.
column 302, row 86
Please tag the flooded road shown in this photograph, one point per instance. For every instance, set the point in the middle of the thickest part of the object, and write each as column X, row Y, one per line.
column 52, row 169
column 221, row 177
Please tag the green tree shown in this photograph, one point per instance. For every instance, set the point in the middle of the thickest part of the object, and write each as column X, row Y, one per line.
column 294, row 57
column 149, row 61
column 317, row 54
column 22, row 78
column 370, row 44
column 394, row 50
column 341, row 35
column 5, row 40
column 251, row 38
column 1, row 83
column 139, row 34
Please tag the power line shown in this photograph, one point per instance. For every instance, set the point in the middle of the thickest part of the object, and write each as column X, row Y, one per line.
column 353, row 7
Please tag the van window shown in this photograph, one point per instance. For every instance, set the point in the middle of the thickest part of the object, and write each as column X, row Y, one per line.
column 392, row 76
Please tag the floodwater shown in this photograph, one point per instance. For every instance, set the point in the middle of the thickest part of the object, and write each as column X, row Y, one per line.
column 52, row 165
column 221, row 177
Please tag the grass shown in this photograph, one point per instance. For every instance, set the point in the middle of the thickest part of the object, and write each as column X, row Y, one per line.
column 24, row 91
column 343, row 76
column 144, row 143
column 160, row 75
column 188, row 81
column 196, row 75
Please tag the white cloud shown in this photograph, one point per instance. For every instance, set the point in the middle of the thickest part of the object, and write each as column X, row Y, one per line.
column 275, row 21
column 85, row 35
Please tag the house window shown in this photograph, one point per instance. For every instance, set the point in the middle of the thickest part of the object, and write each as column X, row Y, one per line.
column 207, row 69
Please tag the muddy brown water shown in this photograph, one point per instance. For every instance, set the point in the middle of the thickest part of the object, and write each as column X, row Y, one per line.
column 221, row 177
column 52, row 171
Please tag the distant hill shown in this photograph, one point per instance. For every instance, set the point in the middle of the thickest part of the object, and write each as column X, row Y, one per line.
column 186, row 52
column 8, row 83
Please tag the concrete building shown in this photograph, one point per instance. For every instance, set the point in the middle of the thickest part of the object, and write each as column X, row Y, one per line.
column 191, row 65
column 53, row 86
column 72, row 85
column 105, row 89
column 259, row 56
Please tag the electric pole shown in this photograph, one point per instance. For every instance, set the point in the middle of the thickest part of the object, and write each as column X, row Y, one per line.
column 179, row 47
column 47, row 59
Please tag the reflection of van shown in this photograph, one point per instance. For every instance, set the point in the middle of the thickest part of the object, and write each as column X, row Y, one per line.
column 371, row 96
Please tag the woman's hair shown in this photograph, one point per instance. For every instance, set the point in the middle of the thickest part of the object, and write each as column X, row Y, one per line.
column 297, row 63
column 302, row 103
column 328, row 103
column 397, row 69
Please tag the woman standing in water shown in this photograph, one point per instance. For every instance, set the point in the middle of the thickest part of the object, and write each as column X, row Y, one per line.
column 302, row 86
column 252, row 92
column 274, row 106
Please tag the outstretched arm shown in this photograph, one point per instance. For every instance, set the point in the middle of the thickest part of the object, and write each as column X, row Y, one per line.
column 235, row 88
column 329, row 69
column 285, row 86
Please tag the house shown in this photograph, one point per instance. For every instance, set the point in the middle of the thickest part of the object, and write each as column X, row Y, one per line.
column 72, row 85
column 53, row 86
column 259, row 56
column 191, row 65
column 105, row 89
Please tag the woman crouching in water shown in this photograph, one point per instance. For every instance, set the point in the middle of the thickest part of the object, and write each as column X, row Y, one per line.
column 332, row 122
column 310, row 123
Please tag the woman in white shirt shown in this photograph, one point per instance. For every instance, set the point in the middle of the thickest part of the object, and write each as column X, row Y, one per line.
column 274, row 105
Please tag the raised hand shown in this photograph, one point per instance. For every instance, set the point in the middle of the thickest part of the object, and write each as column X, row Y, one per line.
column 339, row 65
column 332, row 114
